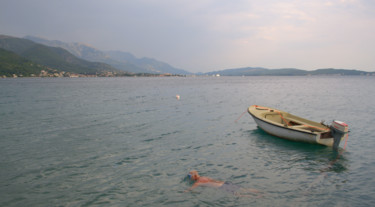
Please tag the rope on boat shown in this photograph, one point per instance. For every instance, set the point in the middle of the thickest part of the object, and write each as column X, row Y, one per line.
column 340, row 153
column 272, row 110
column 285, row 121
column 346, row 140
column 323, row 172
column 240, row 116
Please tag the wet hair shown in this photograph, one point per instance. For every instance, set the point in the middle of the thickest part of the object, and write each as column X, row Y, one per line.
column 188, row 179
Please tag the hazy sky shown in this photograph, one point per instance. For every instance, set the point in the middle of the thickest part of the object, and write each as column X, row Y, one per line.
column 207, row 35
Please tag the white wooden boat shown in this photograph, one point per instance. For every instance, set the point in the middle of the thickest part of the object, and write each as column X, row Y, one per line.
column 291, row 127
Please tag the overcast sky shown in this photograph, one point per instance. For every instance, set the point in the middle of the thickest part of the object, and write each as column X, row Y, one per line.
column 208, row 35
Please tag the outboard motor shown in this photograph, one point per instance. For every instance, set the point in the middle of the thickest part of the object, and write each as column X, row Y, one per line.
column 338, row 130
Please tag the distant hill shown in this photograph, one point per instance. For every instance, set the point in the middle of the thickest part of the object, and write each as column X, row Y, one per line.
column 12, row 65
column 52, row 57
column 258, row 71
column 332, row 71
column 121, row 60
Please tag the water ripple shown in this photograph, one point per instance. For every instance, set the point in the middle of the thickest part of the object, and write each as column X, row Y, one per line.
column 129, row 142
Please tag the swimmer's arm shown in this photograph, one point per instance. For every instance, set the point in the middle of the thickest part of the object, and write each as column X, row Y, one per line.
column 192, row 187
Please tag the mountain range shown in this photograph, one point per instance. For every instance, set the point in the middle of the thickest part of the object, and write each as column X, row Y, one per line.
column 32, row 56
column 124, row 61
column 64, row 59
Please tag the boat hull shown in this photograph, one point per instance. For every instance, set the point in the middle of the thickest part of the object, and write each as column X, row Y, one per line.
column 286, row 133
column 291, row 127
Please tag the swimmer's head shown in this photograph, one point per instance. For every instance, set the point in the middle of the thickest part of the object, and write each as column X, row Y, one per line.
column 193, row 175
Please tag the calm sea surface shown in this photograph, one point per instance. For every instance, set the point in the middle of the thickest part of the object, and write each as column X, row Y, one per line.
column 130, row 142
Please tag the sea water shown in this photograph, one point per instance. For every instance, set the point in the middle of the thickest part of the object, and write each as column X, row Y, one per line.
column 131, row 142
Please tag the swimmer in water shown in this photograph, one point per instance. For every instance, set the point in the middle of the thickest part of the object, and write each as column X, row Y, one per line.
column 226, row 186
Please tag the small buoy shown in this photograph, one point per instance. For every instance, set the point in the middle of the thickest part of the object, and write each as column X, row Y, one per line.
column 178, row 97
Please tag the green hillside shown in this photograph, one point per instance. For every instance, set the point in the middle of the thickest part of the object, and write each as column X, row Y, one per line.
column 13, row 64
column 53, row 57
column 16, row 45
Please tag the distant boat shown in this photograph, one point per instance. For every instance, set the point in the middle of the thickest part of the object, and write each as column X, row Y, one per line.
column 291, row 127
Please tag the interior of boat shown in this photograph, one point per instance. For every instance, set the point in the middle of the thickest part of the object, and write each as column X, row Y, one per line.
column 289, row 120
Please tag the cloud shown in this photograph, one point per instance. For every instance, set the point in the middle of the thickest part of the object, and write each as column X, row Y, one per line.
column 307, row 35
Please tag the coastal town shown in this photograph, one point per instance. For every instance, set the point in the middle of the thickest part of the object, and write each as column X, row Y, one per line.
column 52, row 73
